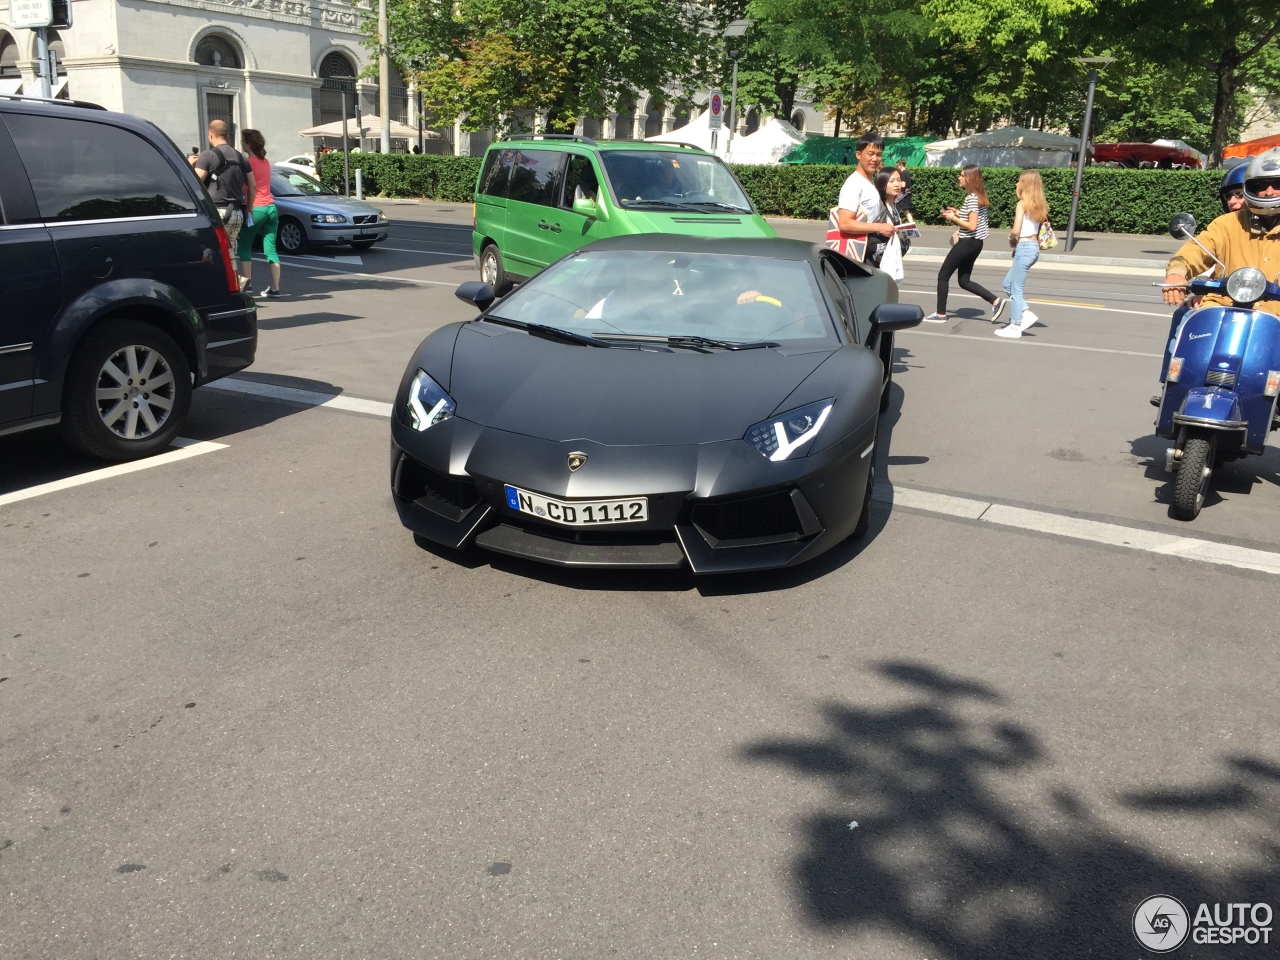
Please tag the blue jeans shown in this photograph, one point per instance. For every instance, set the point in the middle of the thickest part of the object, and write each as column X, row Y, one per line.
column 1025, row 254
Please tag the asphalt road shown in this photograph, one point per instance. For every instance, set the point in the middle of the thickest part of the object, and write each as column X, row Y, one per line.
column 243, row 715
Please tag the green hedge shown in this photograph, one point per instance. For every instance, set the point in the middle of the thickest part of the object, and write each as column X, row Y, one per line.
column 1111, row 201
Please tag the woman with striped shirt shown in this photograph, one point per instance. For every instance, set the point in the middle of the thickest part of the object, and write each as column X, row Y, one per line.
column 971, row 219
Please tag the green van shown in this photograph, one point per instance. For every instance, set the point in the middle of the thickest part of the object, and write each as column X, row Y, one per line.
column 542, row 196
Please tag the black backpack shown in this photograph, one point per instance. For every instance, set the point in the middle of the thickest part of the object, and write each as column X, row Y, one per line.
column 237, row 200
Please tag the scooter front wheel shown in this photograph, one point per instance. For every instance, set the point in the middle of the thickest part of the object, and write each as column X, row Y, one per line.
column 1192, row 480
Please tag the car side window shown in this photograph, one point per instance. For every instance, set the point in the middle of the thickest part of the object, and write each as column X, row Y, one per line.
column 581, row 180
column 536, row 176
column 497, row 173
column 843, row 305
column 81, row 170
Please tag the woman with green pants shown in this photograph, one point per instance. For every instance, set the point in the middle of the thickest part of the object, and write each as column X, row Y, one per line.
column 266, row 221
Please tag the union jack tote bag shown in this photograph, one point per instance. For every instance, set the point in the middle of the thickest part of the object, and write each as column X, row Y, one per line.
column 852, row 246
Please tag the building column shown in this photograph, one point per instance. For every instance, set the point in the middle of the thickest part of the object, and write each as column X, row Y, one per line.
column 461, row 140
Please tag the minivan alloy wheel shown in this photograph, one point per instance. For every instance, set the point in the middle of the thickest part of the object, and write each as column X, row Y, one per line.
column 136, row 392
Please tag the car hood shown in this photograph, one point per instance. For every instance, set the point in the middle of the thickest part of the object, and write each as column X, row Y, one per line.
column 509, row 380
column 690, row 224
column 327, row 204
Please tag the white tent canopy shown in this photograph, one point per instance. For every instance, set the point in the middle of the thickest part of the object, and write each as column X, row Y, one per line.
column 372, row 126
column 769, row 144
column 696, row 132
column 1183, row 145
column 1006, row 147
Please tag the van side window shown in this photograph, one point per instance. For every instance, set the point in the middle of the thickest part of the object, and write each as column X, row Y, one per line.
column 536, row 176
column 497, row 173
column 82, row 170
column 580, row 181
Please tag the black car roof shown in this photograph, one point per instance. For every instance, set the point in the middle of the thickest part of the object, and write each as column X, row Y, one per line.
column 779, row 248
column 79, row 110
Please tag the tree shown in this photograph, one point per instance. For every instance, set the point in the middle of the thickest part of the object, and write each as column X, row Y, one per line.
column 489, row 59
column 1219, row 37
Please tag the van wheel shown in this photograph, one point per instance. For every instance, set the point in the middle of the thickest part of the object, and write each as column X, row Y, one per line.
column 291, row 237
column 493, row 271
column 127, row 393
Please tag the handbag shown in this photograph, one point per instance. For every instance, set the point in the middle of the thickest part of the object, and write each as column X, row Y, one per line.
column 853, row 246
column 955, row 237
column 1046, row 237
column 891, row 261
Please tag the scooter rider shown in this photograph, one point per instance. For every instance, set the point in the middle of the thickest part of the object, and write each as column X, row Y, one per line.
column 1249, row 237
column 1231, row 191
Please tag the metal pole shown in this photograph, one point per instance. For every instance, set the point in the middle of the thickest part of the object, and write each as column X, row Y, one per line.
column 422, row 146
column 346, row 149
column 733, row 108
column 42, row 54
column 359, row 120
column 1080, row 158
column 384, row 77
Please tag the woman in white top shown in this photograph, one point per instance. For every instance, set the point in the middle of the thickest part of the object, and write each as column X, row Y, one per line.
column 1032, row 210
column 971, row 219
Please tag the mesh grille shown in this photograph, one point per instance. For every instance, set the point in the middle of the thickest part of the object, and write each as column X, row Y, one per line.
column 365, row 218
column 418, row 482
column 771, row 515
column 1220, row 378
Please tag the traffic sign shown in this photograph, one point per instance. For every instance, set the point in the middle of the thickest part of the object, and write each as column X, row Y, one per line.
column 716, row 119
column 31, row 14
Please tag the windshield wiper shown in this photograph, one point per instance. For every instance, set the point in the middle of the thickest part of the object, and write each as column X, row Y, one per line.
column 689, row 341
column 719, row 205
column 667, row 204
column 548, row 333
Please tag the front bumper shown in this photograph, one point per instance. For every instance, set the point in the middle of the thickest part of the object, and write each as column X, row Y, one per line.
column 717, row 507
column 321, row 234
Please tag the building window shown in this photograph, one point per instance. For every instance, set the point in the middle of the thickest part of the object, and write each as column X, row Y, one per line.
column 8, row 56
column 338, row 74
column 215, row 51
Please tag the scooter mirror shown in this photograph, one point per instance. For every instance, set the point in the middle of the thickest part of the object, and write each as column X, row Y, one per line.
column 1182, row 226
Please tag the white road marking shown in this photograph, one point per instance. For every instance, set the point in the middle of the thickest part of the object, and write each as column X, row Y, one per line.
column 1075, row 306
column 1029, row 343
column 295, row 395
column 429, row 253
column 968, row 508
column 1075, row 528
column 306, row 256
column 184, row 449
column 374, row 276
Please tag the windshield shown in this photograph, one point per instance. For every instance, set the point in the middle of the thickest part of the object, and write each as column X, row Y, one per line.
column 726, row 297
column 675, row 180
column 294, row 183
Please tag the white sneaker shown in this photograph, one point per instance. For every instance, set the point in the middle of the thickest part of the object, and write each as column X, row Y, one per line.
column 1029, row 320
column 1010, row 331
column 936, row 318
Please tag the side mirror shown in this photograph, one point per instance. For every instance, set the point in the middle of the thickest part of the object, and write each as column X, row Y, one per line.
column 1182, row 226
column 896, row 316
column 477, row 292
column 586, row 207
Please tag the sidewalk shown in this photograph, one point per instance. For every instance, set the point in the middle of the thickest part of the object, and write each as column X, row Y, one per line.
column 1132, row 251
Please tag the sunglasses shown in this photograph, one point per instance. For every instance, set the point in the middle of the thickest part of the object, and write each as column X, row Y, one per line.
column 1236, row 192
column 1262, row 183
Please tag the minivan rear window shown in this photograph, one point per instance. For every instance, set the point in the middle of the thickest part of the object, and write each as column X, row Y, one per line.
column 496, row 173
column 82, row 170
column 536, row 176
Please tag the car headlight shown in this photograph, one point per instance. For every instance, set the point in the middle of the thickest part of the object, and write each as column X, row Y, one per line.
column 1246, row 285
column 328, row 218
column 428, row 403
column 789, row 434
column 381, row 216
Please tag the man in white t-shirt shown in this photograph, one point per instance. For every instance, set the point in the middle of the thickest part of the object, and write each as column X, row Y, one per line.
column 859, row 204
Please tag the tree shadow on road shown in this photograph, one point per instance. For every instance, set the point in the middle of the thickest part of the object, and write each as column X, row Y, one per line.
column 946, row 855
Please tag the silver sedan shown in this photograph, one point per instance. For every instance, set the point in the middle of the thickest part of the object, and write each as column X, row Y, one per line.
column 312, row 215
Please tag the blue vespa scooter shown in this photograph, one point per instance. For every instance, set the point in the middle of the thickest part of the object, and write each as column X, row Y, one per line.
column 1219, row 400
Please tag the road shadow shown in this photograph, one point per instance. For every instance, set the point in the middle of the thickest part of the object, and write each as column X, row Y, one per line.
column 1235, row 477
column 945, row 853
column 303, row 319
column 42, row 456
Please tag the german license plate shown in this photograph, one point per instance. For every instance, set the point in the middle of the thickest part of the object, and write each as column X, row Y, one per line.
column 578, row 513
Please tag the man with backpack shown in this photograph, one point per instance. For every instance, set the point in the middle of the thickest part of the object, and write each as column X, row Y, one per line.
column 227, row 176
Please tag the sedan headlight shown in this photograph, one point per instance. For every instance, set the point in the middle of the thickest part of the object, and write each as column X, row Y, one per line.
column 328, row 218
column 1246, row 285
column 428, row 403
column 789, row 434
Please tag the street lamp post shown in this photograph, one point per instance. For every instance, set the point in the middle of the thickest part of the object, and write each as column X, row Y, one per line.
column 1084, row 142
column 735, row 34
column 384, row 77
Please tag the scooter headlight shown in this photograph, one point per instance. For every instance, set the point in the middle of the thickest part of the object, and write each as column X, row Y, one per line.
column 1246, row 285
column 428, row 403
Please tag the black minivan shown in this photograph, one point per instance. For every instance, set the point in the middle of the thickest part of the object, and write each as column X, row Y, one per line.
column 118, row 291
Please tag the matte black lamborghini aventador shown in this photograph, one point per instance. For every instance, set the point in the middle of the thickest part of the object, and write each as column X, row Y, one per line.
column 653, row 401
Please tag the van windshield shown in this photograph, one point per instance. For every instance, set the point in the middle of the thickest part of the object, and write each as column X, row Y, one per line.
column 674, row 180
column 642, row 293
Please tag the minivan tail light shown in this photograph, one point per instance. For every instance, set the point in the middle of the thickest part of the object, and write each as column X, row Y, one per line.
column 228, row 264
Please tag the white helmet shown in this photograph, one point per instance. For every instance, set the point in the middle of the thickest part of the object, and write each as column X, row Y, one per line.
column 1263, row 167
